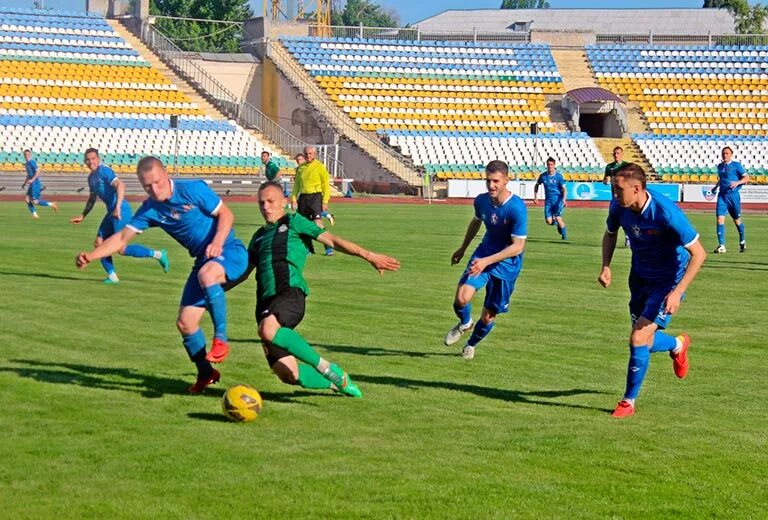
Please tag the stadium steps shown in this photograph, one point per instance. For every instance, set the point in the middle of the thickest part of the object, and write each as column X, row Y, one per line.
column 632, row 152
column 636, row 119
column 574, row 68
column 387, row 158
column 209, row 109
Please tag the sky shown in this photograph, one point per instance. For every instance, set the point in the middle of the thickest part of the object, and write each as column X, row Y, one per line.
column 411, row 11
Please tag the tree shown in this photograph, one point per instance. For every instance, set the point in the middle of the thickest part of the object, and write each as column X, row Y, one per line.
column 748, row 19
column 524, row 4
column 357, row 12
column 202, row 36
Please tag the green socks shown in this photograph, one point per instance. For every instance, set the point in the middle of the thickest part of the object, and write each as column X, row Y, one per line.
column 297, row 346
column 311, row 378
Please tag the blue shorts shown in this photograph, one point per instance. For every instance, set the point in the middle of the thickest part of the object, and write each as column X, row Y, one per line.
column 498, row 291
column 553, row 209
column 234, row 260
column 648, row 302
column 729, row 204
column 34, row 190
column 110, row 225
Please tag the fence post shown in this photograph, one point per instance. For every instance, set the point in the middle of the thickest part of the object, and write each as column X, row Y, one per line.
column 418, row 34
column 360, row 31
column 650, row 37
column 474, row 34
column 709, row 38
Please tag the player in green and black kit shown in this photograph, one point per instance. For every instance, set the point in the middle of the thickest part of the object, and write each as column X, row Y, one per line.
column 271, row 169
column 610, row 171
column 278, row 252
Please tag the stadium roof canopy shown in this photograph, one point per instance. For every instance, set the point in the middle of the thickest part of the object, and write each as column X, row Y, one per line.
column 592, row 94
column 600, row 21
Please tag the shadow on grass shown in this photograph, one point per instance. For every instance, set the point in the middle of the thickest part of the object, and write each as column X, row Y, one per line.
column 756, row 267
column 106, row 378
column 49, row 276
column 213, row 417
column 514, row 396
column 363, row 350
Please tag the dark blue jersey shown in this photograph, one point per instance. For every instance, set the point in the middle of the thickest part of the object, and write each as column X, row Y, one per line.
column 502, row 223
column 100, row 183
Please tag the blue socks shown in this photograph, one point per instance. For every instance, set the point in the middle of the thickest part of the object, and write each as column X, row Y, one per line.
column 138, row 251
column 463, row 313
column 216, row 304
column 740, row 228
column 31, row 207
column 638, row 366
column 721, row 234
column 563, row 232
column 195, row 345
column 107, row 264
column 663, row 342
column 480, row 331
column 44, row 203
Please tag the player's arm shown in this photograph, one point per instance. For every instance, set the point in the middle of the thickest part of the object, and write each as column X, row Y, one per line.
column 609, row 246
column 224, row 220
column 296, row 191
column 234, row 283
column 512, row 250
column 698, row 255
column 743, row 178
column 379, row 262
column 120, row 189
column 87, row 209
column 472, row 229
column 565, row 194
column 536, row 191
column 107, row 248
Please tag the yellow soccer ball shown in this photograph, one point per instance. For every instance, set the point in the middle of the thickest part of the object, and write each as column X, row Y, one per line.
column 242, row 403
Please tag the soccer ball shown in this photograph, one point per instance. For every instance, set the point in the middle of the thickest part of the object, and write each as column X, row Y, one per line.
column 242, row 403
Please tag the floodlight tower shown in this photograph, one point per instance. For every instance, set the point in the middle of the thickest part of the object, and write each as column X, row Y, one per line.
column 292, row 10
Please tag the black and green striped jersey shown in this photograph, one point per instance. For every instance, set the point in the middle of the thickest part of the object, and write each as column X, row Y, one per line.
column 279, row 252
column 612, row 168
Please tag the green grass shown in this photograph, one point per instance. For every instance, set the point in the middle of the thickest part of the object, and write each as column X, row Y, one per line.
column 96, row 423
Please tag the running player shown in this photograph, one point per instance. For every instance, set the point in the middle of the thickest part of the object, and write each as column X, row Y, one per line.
column 34, row 186
column 278, row 252
column 732, row 177
column 610, row 170
column 496, row 262
column 666, row 256
column 104, row 184
column 554, row 197
column 191, row 213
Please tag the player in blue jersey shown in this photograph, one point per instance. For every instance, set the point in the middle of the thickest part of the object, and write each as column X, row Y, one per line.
column 104, row 184
column 34, row 186
column 197, row 218
column 732, row 176
column 496, row 262
column 666, row 256
column 554, row 197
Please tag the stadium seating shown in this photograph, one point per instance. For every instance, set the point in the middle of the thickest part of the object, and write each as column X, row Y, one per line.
column 694, row 98
column 68, row 82
column 429, row 98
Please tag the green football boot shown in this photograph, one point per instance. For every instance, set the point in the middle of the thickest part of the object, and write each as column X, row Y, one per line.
column 342, row 381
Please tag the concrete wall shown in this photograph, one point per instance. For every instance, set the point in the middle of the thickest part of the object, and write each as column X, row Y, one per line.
column 564, row 38
column 235, row 77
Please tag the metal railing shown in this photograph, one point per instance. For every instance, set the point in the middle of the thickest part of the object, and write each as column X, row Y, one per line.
column 385, row 155
column 709, row 39
column 415, row 34
column 245, row 114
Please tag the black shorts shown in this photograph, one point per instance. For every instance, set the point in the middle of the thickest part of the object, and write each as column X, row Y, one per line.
column 310, row 205
column 288, row 307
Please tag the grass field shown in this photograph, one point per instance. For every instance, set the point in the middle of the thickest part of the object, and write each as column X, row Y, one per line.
column 96, row 422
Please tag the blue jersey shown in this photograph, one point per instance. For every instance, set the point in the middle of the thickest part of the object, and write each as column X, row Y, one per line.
column 502, row 223
column 31, row 168
column 188, row 215
column 553, row 186
column 728, row 173
column 100, row 183
column 659, row 235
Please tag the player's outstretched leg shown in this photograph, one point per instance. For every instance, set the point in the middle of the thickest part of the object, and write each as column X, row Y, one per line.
column 742, row 238
column 139, row 251
column 677, row 348
column 32, row 210
column 45, row 203
column 464, row 313
column 206, row 375
column 216, row 303
column 292, row 342
column 720, row 237
column 639, row 358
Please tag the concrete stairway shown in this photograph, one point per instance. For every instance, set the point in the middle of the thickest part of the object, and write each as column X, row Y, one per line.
column 203, row 104
column 574, row 68
column 386, row 157
column 632, row 152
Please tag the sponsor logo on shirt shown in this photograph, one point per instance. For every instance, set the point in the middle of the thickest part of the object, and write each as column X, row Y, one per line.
column 635, row 231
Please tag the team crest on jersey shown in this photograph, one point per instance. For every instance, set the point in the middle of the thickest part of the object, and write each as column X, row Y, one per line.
column 635, row 231
column 282, row 229
column 175, row 215
column 494, row 219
